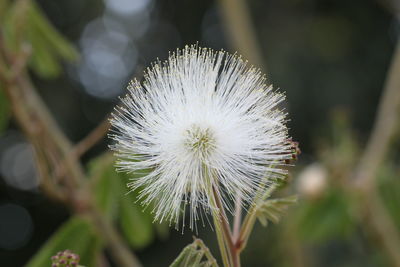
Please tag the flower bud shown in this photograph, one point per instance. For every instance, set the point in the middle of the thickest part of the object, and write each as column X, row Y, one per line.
column 65, row 258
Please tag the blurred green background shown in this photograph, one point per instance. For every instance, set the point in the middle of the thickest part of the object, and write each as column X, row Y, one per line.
column 331, row 58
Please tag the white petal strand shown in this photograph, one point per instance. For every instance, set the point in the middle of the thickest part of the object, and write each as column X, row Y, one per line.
column 202, row 116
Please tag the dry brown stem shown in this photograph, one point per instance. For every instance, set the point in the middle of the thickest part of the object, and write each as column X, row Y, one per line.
column 385, row 127
column 53, row 150
column 237, row 20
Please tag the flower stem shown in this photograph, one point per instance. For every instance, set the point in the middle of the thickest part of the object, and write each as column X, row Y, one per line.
column 220, row 238
column 247, row 227
column 221, row 223
column 238, row 217
column 216, row 214
column 251, row 217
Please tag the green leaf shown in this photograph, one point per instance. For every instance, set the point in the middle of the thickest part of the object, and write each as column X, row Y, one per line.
column 274, row 209
column 25, row 24
column 107, row 190
column 195, row 254
column 130, row 201
column 111, row 197
column 118, row 205
column 106, row 185
column 49, row 46
column 76, row 235
column 136, row 225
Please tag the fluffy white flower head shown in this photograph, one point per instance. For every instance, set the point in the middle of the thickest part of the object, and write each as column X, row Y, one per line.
column 200, row 120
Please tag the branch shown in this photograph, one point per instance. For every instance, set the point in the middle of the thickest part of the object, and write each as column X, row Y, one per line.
column 383, row 226
column 37, row 124
column 97, row 133
column 237, row 19
column 386, row 123
column 91, row 139
column 53, row 150
column 384, row 129
column 121, row 253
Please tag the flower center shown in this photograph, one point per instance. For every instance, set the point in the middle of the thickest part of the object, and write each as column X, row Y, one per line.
column 200, row 141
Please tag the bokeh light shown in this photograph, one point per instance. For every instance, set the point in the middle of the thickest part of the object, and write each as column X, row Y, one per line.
column 127, row 7
column 17, row 165
column 15, row 226
column 109, row 58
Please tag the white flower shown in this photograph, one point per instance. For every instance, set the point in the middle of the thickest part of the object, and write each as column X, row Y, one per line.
column 202, row 119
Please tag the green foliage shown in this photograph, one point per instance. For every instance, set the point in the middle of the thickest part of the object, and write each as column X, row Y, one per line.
column 325, row 219
column 106, row 184
column 195, row 254
column 389, row 187
column 341, row 152
column 77, row 235
column 122, row 207
column 24, row 25
column 4, row 6
column 136, row 225
column 274, row 209
column 329, row 216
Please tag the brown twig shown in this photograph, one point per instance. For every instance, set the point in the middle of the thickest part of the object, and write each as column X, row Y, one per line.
column 52, row 148
column 91, row 139
column 74, row 175
column 386, row 123
column 382, row 225
column 385, row 126
column 121, row 254
column 46, row 182
column 35, row 121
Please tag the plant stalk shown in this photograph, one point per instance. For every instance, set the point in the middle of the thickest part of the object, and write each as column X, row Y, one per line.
column 221, row 222
column 238, row 217
column 220, row 239
column 247, row 227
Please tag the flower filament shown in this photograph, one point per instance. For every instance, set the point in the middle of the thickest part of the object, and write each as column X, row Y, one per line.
column 200, row 141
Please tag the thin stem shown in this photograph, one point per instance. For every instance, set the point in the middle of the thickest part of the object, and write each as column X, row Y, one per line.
column 237, row 20
column 246, row 229
column 91, row 139
column 382, row 225
column 218, row 230
column 220, row 239
column 385, row 128
column 217, row 218
column 121, row 253
column 238, row 217
column 223, row 221
column 251, row 217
